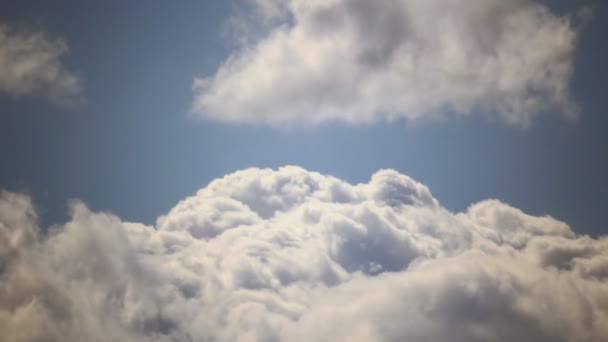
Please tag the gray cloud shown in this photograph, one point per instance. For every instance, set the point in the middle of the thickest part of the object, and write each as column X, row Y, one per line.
column 31, row 64
column 288, row 254
column 357, row 61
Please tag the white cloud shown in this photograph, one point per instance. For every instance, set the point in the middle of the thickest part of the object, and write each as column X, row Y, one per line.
column 293, row 255
column 31, row 64
column 360, row 61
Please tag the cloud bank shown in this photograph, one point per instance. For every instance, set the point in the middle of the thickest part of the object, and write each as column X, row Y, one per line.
column 293, row 255
column 31, row 64
column 358, row 61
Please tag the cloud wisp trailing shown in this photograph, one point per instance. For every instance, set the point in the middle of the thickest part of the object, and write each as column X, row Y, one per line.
column 31, row 65
column 293, row 255
column 357, row 61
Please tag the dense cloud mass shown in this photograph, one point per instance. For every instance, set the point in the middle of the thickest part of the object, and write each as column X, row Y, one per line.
column 293, row 255
column 31, row 64
column 359, row 61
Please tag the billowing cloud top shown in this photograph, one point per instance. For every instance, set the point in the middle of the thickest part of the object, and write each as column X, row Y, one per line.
column 30, row 64
column 292, row 255
column 359, row 61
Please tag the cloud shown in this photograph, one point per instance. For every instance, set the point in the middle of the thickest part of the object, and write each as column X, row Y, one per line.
column 358, row 61
column 31, row 65
column 293, row 255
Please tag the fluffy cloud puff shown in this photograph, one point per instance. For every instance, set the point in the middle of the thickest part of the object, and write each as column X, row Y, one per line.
column 30, row 64
column 292, row 255
column 359, row 61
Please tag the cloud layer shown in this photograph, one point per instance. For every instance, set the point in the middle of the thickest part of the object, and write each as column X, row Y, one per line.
column 293, row 255
column 31, row 64
column 357, row 61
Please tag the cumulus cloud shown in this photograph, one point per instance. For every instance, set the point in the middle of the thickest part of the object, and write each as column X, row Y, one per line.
column 293, row 255
column 358, row 61
column 31, row 64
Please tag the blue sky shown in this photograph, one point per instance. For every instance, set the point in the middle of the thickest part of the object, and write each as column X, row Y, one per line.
column 131, row 147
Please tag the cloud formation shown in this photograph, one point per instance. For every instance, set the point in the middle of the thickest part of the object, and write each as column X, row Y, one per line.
column 293, row 255
column 31, row 64
column 357, row 61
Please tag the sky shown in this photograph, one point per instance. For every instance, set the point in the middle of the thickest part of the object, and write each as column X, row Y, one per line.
column 164, row 133
column 130, row 146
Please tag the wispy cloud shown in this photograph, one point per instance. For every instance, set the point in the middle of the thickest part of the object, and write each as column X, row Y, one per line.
column 358, row 61
column 293, row 255
column 31, row 65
